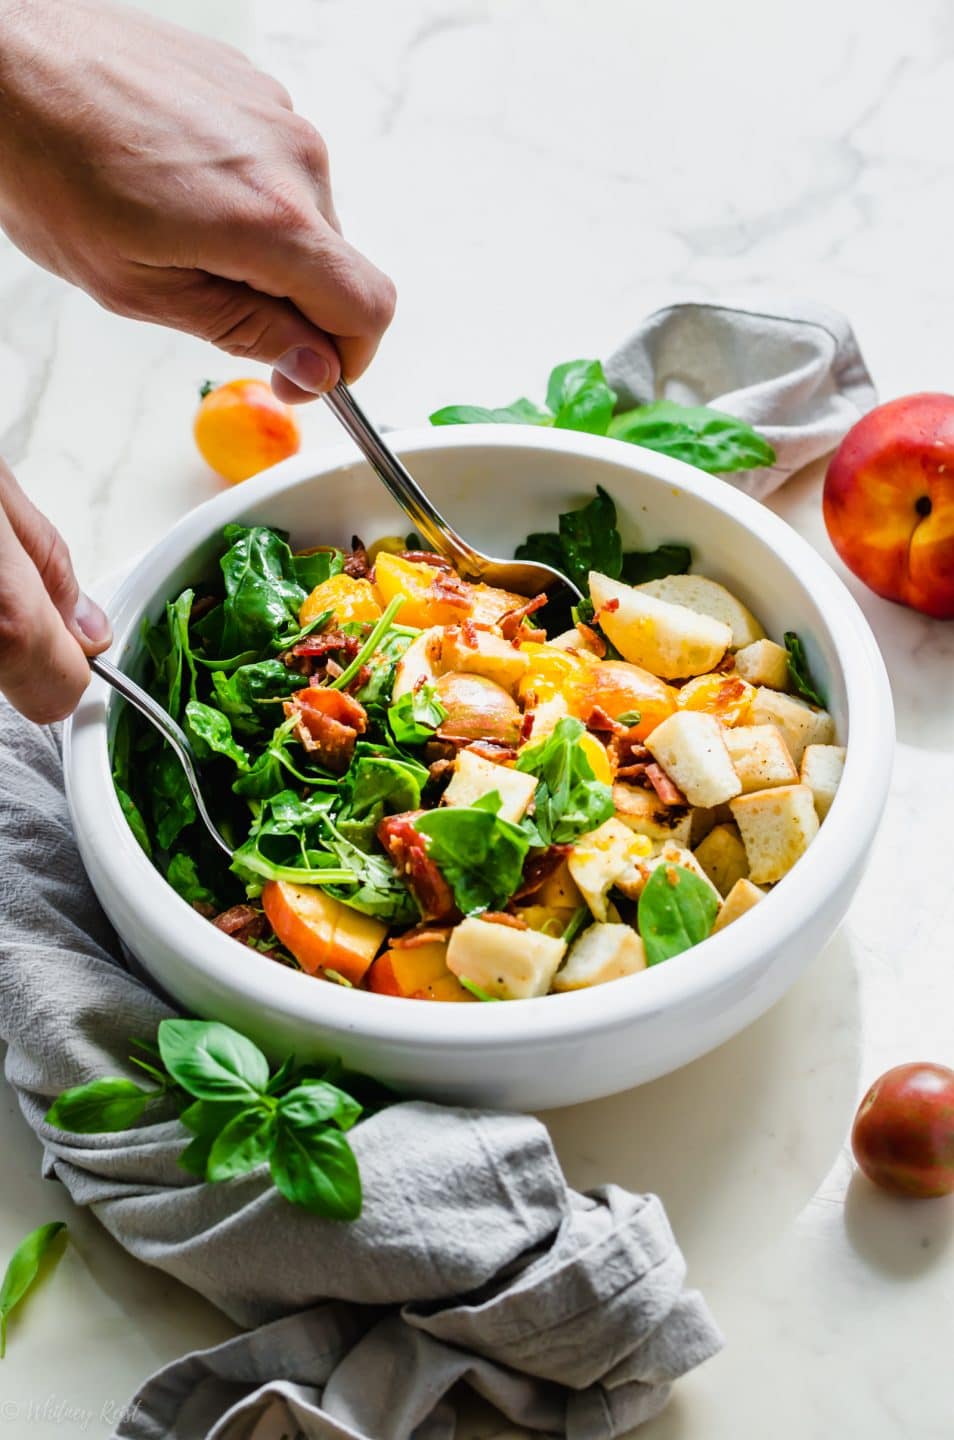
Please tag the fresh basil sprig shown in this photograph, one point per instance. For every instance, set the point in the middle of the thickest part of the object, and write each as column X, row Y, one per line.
column 22, row 1271
column 479, row 853
column 798, row 671
column 676, row 911
column 569, row 801
column 241, row 1116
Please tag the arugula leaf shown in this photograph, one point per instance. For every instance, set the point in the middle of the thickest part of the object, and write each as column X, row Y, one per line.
column 579, row 397
column 212, row 1061
column 709, row 439
column 266, row 585
column 569, row 801
column 22, row 1271
column 375, row 886
column 213, row 732
column 312, row 1164
column 799, row 672
column 183, row 875
column 414, row 718
column 521, row 412
column 479, row 853
column 100, row 1107
column 676, row 911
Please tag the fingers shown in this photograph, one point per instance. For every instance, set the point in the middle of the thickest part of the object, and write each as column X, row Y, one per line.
column 43, row 671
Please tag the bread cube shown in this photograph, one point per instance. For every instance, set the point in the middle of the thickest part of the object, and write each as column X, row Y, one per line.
column 822, row 767
column 801, row 724
column 690, row 747
column 599, row 858
column 707, row 597
column 481, row 652
column 508, row 963
column 631, row 881
column 644, row 812
column 602, row 952
column 668, row 640
column 723, row 858
column 763, row 663
column 760, row 757
column 740, row 898
column 547, row 716
column 474, row 777
column 777, row 828
column 703, row 818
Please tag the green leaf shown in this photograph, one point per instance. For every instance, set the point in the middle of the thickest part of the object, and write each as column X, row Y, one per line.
column 243, row 1144
column 133, row 817
column 579, row 397
column 178, row 613
column 575, row 924
column 244, row 695
column 101, row 1107
column 477, row 992
column 588, row 539
column 798, row 671
column 569, row 800
column 479, row 854
column 173, row 807
column 370, row 646
column 521, row 412
column 212, row 1061
column 22, row 1271
column 676, row 911
column 709, row 439
column 639, row 566
column 314, row 1167
column 414, row 718
column 183, row 876
column 213, row 732
column 205, row 1118
column 313, row 1102
column 266, row 585
column 376, row 785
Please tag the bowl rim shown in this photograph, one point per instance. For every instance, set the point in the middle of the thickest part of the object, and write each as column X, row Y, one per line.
column 735, row 955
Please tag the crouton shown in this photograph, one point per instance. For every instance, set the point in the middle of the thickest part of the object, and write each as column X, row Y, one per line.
column 474, row 777
column 777, row 828
column 760, row 757
column 690, row 747
column 740, row 898
column 822, row 767
column 631, row 881
column 508, row 963
column 600, row 857
column 801, row 724
column 763, row 663
column 602, row 953
column 723, row 858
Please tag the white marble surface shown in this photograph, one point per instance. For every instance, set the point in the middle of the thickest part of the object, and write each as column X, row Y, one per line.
column 536, row 176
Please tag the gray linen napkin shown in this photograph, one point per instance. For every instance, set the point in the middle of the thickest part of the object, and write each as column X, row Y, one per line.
column 792, row 370
column 473, row 1259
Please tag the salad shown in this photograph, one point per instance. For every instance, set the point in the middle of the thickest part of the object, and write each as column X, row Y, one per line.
column 439, row 790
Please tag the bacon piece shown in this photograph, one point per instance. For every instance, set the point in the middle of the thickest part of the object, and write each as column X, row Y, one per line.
column 502, row 917
column 669, row 793
column 428, row 557
column 632, row 772
column 609, row 608
column 421, row 935
column 448, row 588
column 328, row 724
column 598, row 719
column 539, row 868
column 356, row 564
column 526, row 728
column 407, row 848
column 592, row 639
column 511, row 622
column 327, row 642
column 243, row 923
column 491, row 750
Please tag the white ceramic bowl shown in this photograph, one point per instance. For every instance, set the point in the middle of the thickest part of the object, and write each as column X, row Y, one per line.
column 496, row 485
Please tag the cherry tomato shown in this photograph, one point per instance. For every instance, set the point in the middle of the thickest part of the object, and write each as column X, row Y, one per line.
column 903, row 1135
column 242, row 428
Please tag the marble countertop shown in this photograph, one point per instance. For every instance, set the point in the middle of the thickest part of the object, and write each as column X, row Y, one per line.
column 537, row 177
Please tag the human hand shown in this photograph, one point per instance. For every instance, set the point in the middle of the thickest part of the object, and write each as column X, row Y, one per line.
column 165, row 175
column 47, row 625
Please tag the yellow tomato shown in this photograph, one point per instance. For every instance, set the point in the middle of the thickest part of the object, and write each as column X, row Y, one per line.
column 618, row 688
column 727, row 697
column 242, row 428
column 551, row 672
column 421, row 606
column 595, row 752
column 348, row 599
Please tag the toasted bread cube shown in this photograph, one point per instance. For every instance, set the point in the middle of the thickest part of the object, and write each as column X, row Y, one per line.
column 822, row 767
column 723, row 858
column 777, row 828
column 632, row 880
column 801, row 724
column 481, row 652
column 690, row 747
column 474, row 777
column 644, row 812
column 704, row 818
column 667, row 640
column 508, row 963
column 760, row 757
column 599, row 858
column 763, row 663
column 602, row 952
column 708, row 597
column 740, row 898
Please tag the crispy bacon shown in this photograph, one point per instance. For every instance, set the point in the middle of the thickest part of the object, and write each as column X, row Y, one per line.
column 592, row 639
column 408, row 850
column 491, row 750
column 328, row 724
column 356, row 564
column 502, row 917
column 428, row 557
column 421, row 935
column 669, row 793
column 597, row 719
column 539, row 868
column 448, row 588
column 610, row 607
column 726, row 664
column 526, row 727
column 512, row 621
column 243, row 923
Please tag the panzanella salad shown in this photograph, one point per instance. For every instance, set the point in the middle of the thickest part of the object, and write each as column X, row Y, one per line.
column 437, row 790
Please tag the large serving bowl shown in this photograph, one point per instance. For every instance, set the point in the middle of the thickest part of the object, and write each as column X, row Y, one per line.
column 496, row 485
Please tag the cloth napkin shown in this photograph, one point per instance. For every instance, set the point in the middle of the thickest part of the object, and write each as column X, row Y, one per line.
column 473, row 1260
column 793, row 371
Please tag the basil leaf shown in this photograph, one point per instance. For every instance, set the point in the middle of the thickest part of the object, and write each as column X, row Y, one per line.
column 569, row 800
column 709, row 439
column 212, row 1061
column 183, row 875
column 798, row 671
column 211, row 733
column 414, row 718
column 479, row 854
column 676, row 911
column 314, row 1102
column 242, row 1145
column 101, row 1107
column 22, row 1270
column 314, row 1167
column 521, row 412
column 642, row 565
column 205, row 1118
column 579, row 397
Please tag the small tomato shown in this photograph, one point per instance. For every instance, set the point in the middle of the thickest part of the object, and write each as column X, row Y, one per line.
column 242, row 428
column 903, row 1135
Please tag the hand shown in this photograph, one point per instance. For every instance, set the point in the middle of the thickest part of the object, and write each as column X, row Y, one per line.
column 47, row 626
column 166, row 176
